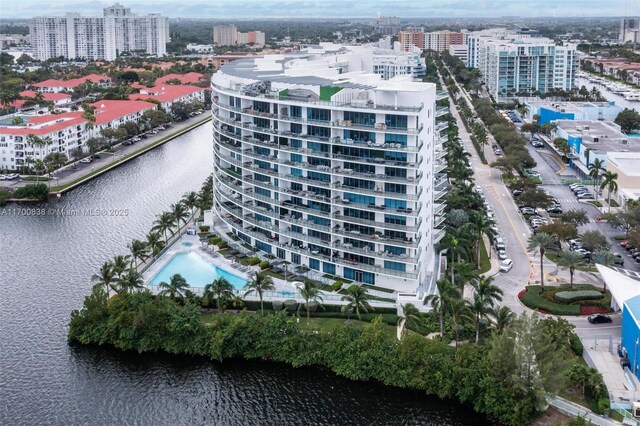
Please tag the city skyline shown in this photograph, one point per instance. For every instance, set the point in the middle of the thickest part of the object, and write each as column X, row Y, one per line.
column 227, row 9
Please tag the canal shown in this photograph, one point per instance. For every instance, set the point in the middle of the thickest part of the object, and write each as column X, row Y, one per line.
column 46, row 263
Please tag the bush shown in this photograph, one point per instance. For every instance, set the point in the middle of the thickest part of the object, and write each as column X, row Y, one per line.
column 277, row 305
column 37, row 191
column 204, row 228
column 576, row 345
column 534, row 298
column 313, row 306
column 577, row 295
column 291, row 305
column 222, row 244
column 4, row 196
column 336, row 285
column 253, row 261
column 264, row 264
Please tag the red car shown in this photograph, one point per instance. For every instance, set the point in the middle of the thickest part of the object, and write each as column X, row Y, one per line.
column 624, row 244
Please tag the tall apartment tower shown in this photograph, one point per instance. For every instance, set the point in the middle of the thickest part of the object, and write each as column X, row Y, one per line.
column 320, row 162
column 225, row 35
column 106, row 37
column 629, row 28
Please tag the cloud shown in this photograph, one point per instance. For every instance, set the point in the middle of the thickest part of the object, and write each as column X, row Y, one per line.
column 256, row 9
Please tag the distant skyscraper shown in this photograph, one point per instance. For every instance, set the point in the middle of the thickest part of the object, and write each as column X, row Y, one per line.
column 629, row 28
column 228, row 35
column 73, row 36
column 387, row 25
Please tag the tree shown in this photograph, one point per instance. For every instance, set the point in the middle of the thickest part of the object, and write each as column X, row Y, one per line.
column 104, row 277
column 358, row 300
column 581, row 375
column 95, row 144
column 163, row 224
column 460, row 314
column 575, row 217
column 625, row 220
column 594, row 240
column 628, row 120
column 129, row 281
column 481, row 225
column 548, row 128
column 219, row 290
column 237, row 303
column 260, row 283
column 502, row 317
column 457, row 217
column 541, row 242
column 139, row 251
column 180, row 214
column 595, row 169
column 190, row 200
column 181, row 110
column 310, row 292
column 484, row 299
column 561, row 231
column 634, row 237
column 175, row 288
column 410, row 314
column 535, row 198
column 132, row 128
column 120, row 264
column 446, row 292
column 532, row 128
column 562, row 145
column 455, row 242
column 154, row 243
column 154, row 118
column 77, row 153
column 16, row 121
column 571, row 260
column 609, row 181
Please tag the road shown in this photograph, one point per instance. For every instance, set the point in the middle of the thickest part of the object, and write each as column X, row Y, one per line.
column 77, row 170
column 515, row 232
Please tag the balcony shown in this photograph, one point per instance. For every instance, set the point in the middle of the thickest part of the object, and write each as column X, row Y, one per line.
column 442, row 126
column 378, row 192
column 375, row 224
column 442, row 111
column 400, row 242
column 405, row 211
column 442, row 94
column 439, row 221
column 439, row 167
column 275, row 96
column 438, row 235
column 387, row 146
column 437, row 195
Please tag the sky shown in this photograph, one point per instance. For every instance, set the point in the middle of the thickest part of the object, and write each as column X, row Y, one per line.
column 259, row 9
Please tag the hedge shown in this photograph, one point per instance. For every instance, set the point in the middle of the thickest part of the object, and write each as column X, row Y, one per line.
column 577, row 295
column 533, row 298
column 264, row 264
column 204, row 228
column 336, row 285
column 253, row 261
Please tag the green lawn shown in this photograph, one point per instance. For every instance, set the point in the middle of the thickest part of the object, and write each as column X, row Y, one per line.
column 534, row 298
column 485, row 263
column 555, row 258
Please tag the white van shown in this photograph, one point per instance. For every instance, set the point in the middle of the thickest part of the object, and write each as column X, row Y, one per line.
column 499, row 244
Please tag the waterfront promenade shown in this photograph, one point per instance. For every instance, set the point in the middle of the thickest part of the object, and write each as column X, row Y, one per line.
column 74, row 174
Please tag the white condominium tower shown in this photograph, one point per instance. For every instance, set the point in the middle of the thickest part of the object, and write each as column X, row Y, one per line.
column 73, row 36
column 322, row 163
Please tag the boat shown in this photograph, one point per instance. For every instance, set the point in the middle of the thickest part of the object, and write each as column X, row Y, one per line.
column 632, row 96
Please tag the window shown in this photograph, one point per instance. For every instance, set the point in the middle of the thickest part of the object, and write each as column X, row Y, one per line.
column 395, row 250
column 359, row 276
column 360, row 199
column 296, row 172
column 360, row 136
column 281, row 253
column 395, row 204
column 360, row 118
column 328, row 268
column 295, row 143
column 296, row 158
column 395, row 219
column 314, row 264
column 323, row 177
column 318, row 147
column 396, row 266
column 395, row 172
column 393, row 138
column 360, row 214
column 296, row 128
column 396, row 121
column 396, row 188
column 295, row 111
column 318, row 114
column 324, row 132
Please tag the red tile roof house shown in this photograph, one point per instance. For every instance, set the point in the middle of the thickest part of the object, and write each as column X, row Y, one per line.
column 57, row 86
column 57, row 98
column 168, row 94
column 64, row 131
column 188, row 78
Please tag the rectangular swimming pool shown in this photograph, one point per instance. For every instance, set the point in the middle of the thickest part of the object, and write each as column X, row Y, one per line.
column 196, row 270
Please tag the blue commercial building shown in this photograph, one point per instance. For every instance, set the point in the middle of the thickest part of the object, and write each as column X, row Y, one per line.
column 587, row 111
column 631, row 333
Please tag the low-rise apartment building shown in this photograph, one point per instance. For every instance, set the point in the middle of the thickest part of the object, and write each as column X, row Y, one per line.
column 168, row 94
column 57, row 86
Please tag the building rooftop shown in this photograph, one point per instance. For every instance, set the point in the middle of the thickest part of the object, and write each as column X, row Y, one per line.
column 108, row 110
column 94, row 78
column 563, row 106
column 627, row 162
column 188, row 78
column 165, row 92
column 598, row 135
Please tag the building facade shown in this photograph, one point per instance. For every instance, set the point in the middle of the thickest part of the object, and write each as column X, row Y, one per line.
column 106, row 37
column 519, row 63
column 561, row 110
column 460, row 51
column 322, row 163
column 629, row 28
column 228, row 35
column 438, row 41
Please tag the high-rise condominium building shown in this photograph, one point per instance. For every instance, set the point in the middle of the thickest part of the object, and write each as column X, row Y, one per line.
column 228, row 35
column 438, row 41
column 117, row 31
column 518, row 63
column 322, row 163
column 629, row 28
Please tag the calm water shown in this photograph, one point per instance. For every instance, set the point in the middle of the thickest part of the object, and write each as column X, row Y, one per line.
column 45, row 267
column 196, row 270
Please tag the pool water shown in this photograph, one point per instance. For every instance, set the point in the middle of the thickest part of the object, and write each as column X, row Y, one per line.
column 187, row 244
column 196, row 270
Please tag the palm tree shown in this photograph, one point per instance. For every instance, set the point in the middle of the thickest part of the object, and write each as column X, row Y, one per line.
column 219, row 290
column 120, row 265
column 129, row 281
column 175, row 288
column 609, row 181
column 541, row 242
column 455, row 242
column 138, row 250
column 180, row 214
column 104, row 277
column 190, row 201
column 163, row 223
column 358, row 299
column 481, row 225
column 440, row 300
column 237, row 302
column 260, row 283
column 484, row 300
column 605, row 258
column 460, row 314
column 595, row 168
column 310, row 292
column 571, row 260
column 502, row 317
column 154, row 243
column 409, row 314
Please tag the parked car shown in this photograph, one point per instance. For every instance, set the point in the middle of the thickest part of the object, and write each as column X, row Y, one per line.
column 555, row 210
column 599, row 319
column 586, row 196
column 3, row 177
column 506, row 265
column 527, row 210
column 517, row 192
column 502, row 254
column 624, row 244
column 537, row 144
column 86, row 160
column 617, row 259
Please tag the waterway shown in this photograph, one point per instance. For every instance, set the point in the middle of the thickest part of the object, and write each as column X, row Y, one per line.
column 45, row 267
column 610, row 96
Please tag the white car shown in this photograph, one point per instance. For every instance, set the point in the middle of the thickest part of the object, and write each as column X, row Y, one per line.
column 86, row 160
column 506, row 265
column 527, row 210
column 502, row 254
